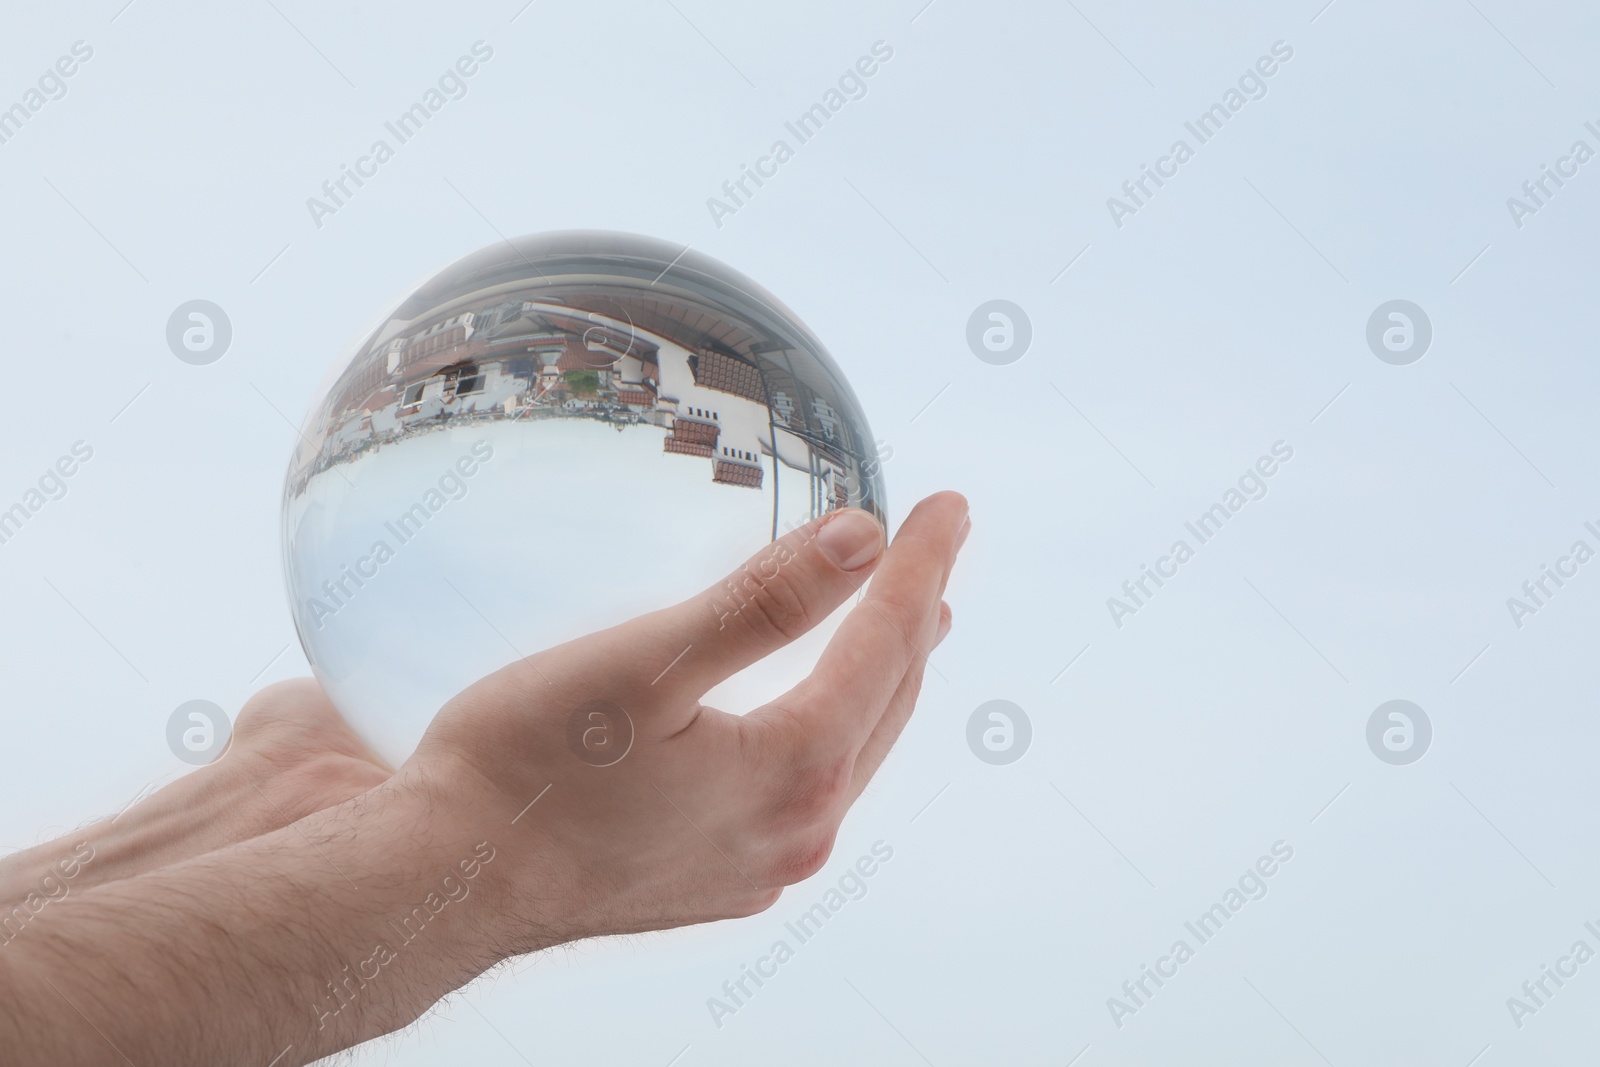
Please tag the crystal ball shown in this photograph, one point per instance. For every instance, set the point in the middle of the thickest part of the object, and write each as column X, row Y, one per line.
column 550, row 436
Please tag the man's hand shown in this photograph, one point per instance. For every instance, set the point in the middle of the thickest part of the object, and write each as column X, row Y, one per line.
column 514, row 827
column 708, row 815
column 290, row 755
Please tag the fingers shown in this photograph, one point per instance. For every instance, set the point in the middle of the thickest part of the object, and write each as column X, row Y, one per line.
column 292, row 721
column 887, row 634
column 779, row 594
column 893, row 723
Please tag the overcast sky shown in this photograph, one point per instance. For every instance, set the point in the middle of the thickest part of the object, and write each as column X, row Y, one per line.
column 1173, row 347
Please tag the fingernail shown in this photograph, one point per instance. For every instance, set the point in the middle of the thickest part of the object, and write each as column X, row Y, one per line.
column 961, row 538
column 946, row 619
column 851, row 540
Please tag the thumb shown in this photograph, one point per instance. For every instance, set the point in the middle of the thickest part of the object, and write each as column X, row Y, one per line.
column 776, row 596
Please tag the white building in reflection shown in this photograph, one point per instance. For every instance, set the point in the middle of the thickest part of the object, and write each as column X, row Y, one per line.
column 534, row 359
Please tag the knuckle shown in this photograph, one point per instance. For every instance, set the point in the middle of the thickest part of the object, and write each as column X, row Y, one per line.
column 768, row 603
column 273, row 710
column 800, row 858
column 293, row 725
column 813, row 789
column 279, row 695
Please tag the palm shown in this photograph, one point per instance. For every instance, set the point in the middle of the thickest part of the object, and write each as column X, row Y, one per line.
column 670, row 812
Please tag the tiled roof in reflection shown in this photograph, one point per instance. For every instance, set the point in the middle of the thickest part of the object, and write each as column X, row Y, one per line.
column 687, row 448
column 693, row 430
column 715, row 370
column 690, row 437
column 729, row 473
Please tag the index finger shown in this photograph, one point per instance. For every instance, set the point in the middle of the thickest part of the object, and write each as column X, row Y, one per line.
column 863, row 665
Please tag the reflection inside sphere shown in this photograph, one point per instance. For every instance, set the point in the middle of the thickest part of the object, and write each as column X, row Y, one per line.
column 551, row 436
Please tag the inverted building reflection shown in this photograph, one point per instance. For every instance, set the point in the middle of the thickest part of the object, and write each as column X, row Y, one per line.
column 667, row 360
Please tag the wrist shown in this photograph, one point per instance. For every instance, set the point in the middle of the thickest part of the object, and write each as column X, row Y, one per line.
column 525, row 897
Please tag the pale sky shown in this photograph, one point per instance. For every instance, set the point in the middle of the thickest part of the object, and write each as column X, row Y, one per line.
column 1228, row 313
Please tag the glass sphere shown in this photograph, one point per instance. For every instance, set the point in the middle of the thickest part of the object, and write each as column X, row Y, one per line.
column 548, row 437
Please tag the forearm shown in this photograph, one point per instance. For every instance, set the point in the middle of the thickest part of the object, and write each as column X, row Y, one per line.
column 291, row 755
column 205, row 810
column 287, row 947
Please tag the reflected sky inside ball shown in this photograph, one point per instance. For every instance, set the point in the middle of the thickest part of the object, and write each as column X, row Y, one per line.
column 550, row 436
